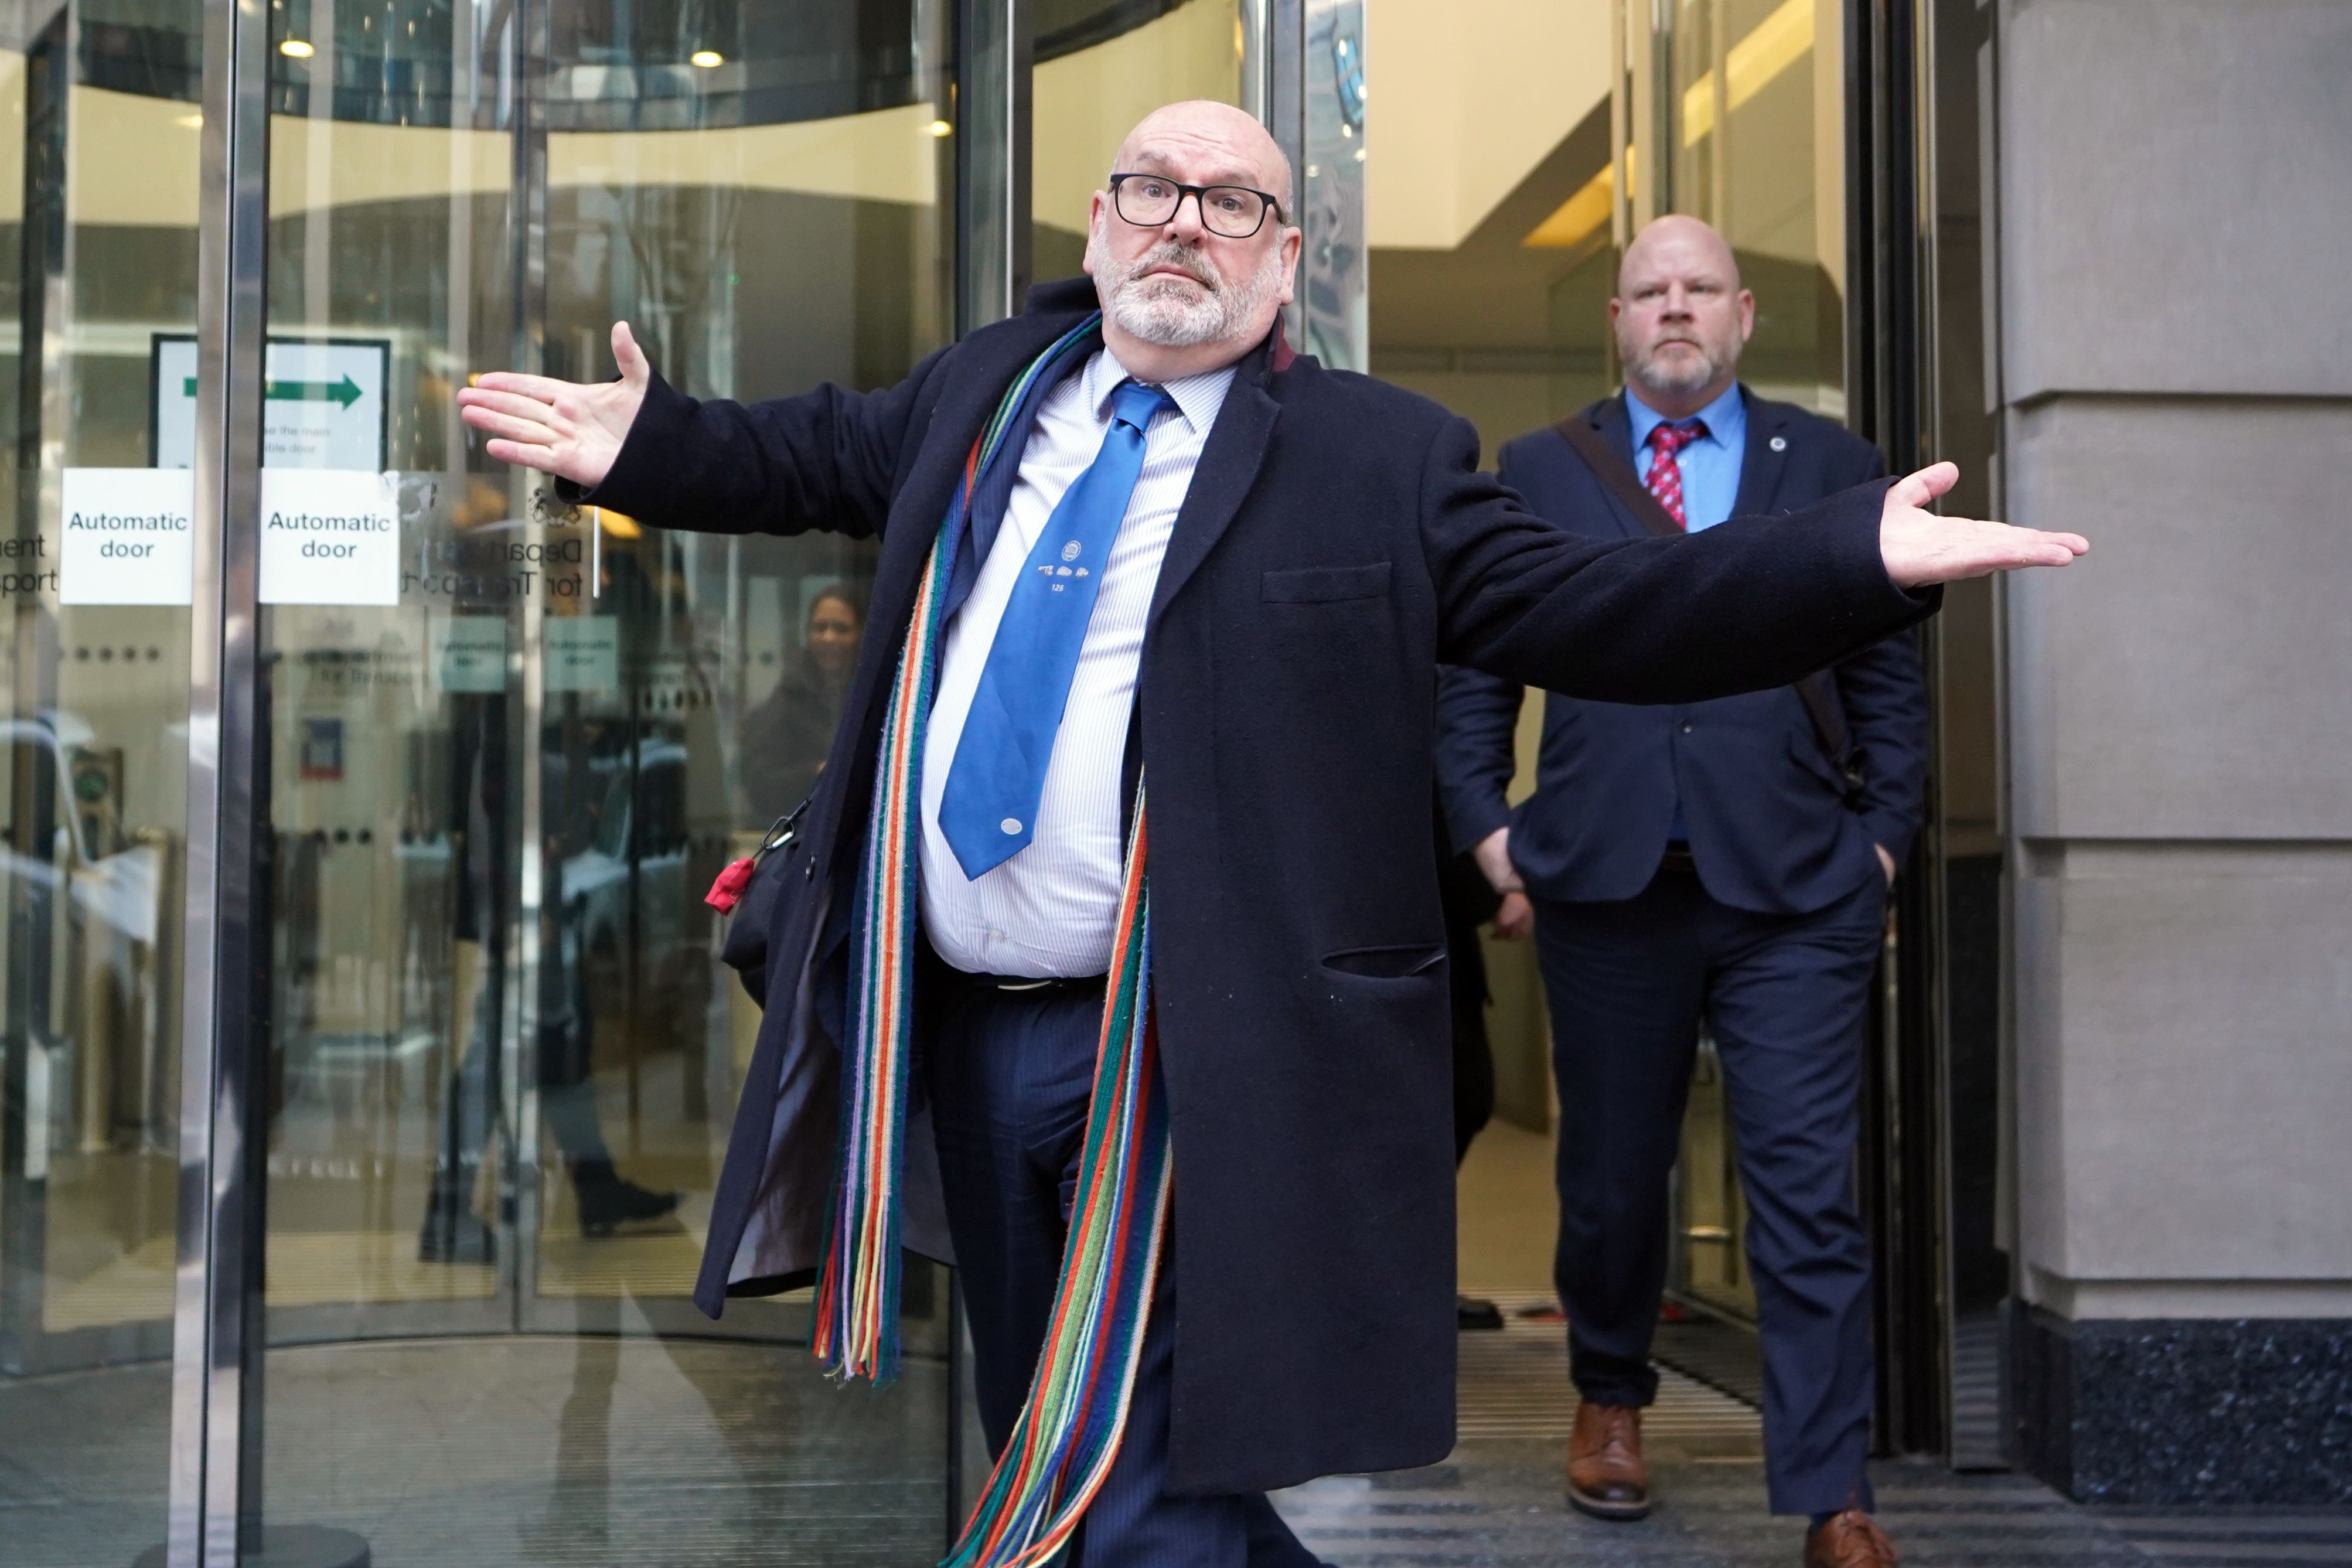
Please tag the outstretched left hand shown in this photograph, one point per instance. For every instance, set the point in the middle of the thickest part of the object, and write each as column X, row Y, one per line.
column 1920, row 548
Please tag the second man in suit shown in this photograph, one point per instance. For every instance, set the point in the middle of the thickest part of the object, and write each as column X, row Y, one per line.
column 1726, row 861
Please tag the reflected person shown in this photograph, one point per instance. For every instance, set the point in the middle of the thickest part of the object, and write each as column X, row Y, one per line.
column 452, row 1231
column 788, row 732
column 1726, row 861
column 1131, row 545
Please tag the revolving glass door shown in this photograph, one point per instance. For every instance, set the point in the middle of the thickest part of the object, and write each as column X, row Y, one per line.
column 503, row 746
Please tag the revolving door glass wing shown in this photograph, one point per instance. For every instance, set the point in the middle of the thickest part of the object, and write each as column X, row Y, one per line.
column 97, row 264
column 504, row 747
column 502, row 773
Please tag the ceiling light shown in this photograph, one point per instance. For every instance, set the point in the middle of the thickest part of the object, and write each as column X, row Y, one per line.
column 705, row 58
column 941, row 128
column 296, row 50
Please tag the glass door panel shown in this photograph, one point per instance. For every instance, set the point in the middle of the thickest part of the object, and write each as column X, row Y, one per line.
column 1102, row 65
column 391, row 753
column 1753, row 134
column 98, row 139
column 503, row 772
column 1493, row 258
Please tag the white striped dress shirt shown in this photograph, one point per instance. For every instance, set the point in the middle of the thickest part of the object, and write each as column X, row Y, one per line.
column 1050, row 909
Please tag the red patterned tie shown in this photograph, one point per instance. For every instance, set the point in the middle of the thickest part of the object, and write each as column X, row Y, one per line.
column 1665, row 470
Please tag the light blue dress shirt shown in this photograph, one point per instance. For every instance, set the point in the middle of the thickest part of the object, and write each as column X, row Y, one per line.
column 1710, row 465
column 1710, row 479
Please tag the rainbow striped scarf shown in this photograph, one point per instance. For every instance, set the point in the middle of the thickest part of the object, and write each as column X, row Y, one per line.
column 1068, row 1431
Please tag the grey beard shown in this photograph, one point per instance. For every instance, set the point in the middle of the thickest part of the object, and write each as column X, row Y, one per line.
column 1650, row 376
column 1168, row 320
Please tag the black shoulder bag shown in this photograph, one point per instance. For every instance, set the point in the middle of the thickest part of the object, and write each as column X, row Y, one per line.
column 746, row 892
column 1817, row 691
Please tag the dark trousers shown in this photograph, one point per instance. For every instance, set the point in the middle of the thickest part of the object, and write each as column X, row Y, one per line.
column 567, row 1097
column 1786, row 998
column 1010, row 1074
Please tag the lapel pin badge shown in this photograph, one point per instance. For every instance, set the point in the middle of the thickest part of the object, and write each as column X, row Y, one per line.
column 1780, row 443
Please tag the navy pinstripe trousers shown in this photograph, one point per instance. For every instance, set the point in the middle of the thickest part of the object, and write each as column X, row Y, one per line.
column 1009, row 1074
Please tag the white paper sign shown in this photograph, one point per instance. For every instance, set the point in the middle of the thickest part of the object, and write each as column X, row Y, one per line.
column 330, row 536
column 583, row 653
column 126, row 537
column 470, row 652
column 321, row 403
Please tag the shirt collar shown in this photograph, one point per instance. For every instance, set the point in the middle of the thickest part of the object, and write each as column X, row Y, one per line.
column 1722, row 418
column 1198, row 397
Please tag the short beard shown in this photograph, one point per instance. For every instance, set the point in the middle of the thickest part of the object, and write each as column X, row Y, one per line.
column 1166, row 315
column 1649, row 375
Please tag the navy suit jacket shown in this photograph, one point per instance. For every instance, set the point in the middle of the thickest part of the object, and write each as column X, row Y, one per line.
column 1337, row 544
column 1769, row 825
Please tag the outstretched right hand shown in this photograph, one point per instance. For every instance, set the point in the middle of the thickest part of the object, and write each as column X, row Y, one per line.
column 561, row 428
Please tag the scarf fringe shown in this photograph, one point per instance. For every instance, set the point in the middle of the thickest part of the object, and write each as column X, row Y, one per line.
column 1068, row 1432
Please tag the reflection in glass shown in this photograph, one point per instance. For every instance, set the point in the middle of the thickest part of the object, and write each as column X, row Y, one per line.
column 1757, row 149
column 787, row 733
column 1102, row 65
column 97, row 259
column 1492, row 256
column 507, row 1056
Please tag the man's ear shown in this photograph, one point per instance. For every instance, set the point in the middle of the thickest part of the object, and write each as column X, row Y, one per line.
column 1293, row 242
column 1747, row 314
column 1095, row 210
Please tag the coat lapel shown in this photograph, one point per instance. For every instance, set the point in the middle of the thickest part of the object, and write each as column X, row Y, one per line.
column 980, row 370
column 971, row 397
column 1228, row 467
column 1761, row 465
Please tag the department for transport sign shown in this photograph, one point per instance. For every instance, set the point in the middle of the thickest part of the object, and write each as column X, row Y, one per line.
column 322, row 402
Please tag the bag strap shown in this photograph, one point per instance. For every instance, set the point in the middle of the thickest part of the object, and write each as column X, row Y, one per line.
column 1818, row 692
column 1829, row 731
column 1617, row 474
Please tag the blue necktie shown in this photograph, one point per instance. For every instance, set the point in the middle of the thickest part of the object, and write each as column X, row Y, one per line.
column 989, row 809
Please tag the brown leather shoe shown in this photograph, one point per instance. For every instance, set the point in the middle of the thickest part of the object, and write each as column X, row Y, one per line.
column 1849, row 1540
column 1606, row 1477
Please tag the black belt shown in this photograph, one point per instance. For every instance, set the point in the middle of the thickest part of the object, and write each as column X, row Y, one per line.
column 1678, row 862
column 1020, row 985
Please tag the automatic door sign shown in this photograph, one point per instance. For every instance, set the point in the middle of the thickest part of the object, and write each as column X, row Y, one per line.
column 330, row 536
column 127, row 537
column 322, row 402
column 471, row 651
column 583, row 653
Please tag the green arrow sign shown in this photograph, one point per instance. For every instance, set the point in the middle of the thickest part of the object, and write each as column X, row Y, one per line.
column 345, row 392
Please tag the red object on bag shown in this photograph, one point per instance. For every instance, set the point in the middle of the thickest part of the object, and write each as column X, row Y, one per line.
column 728, row 890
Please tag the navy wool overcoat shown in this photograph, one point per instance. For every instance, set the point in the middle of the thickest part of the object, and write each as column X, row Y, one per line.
column 1337, row 543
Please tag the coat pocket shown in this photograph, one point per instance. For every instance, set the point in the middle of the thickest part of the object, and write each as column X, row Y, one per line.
column 1325, row 584
column 1402, row 961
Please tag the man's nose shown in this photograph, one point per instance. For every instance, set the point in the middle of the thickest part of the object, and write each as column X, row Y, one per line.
column 1185, row 223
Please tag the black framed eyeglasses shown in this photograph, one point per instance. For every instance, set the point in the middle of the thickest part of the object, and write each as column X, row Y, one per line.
column 1230, row 212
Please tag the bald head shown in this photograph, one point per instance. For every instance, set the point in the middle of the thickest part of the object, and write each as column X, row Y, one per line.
column 1202, row 132
column 1678, row 242
column 1681, row 316
column 1179, row 296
